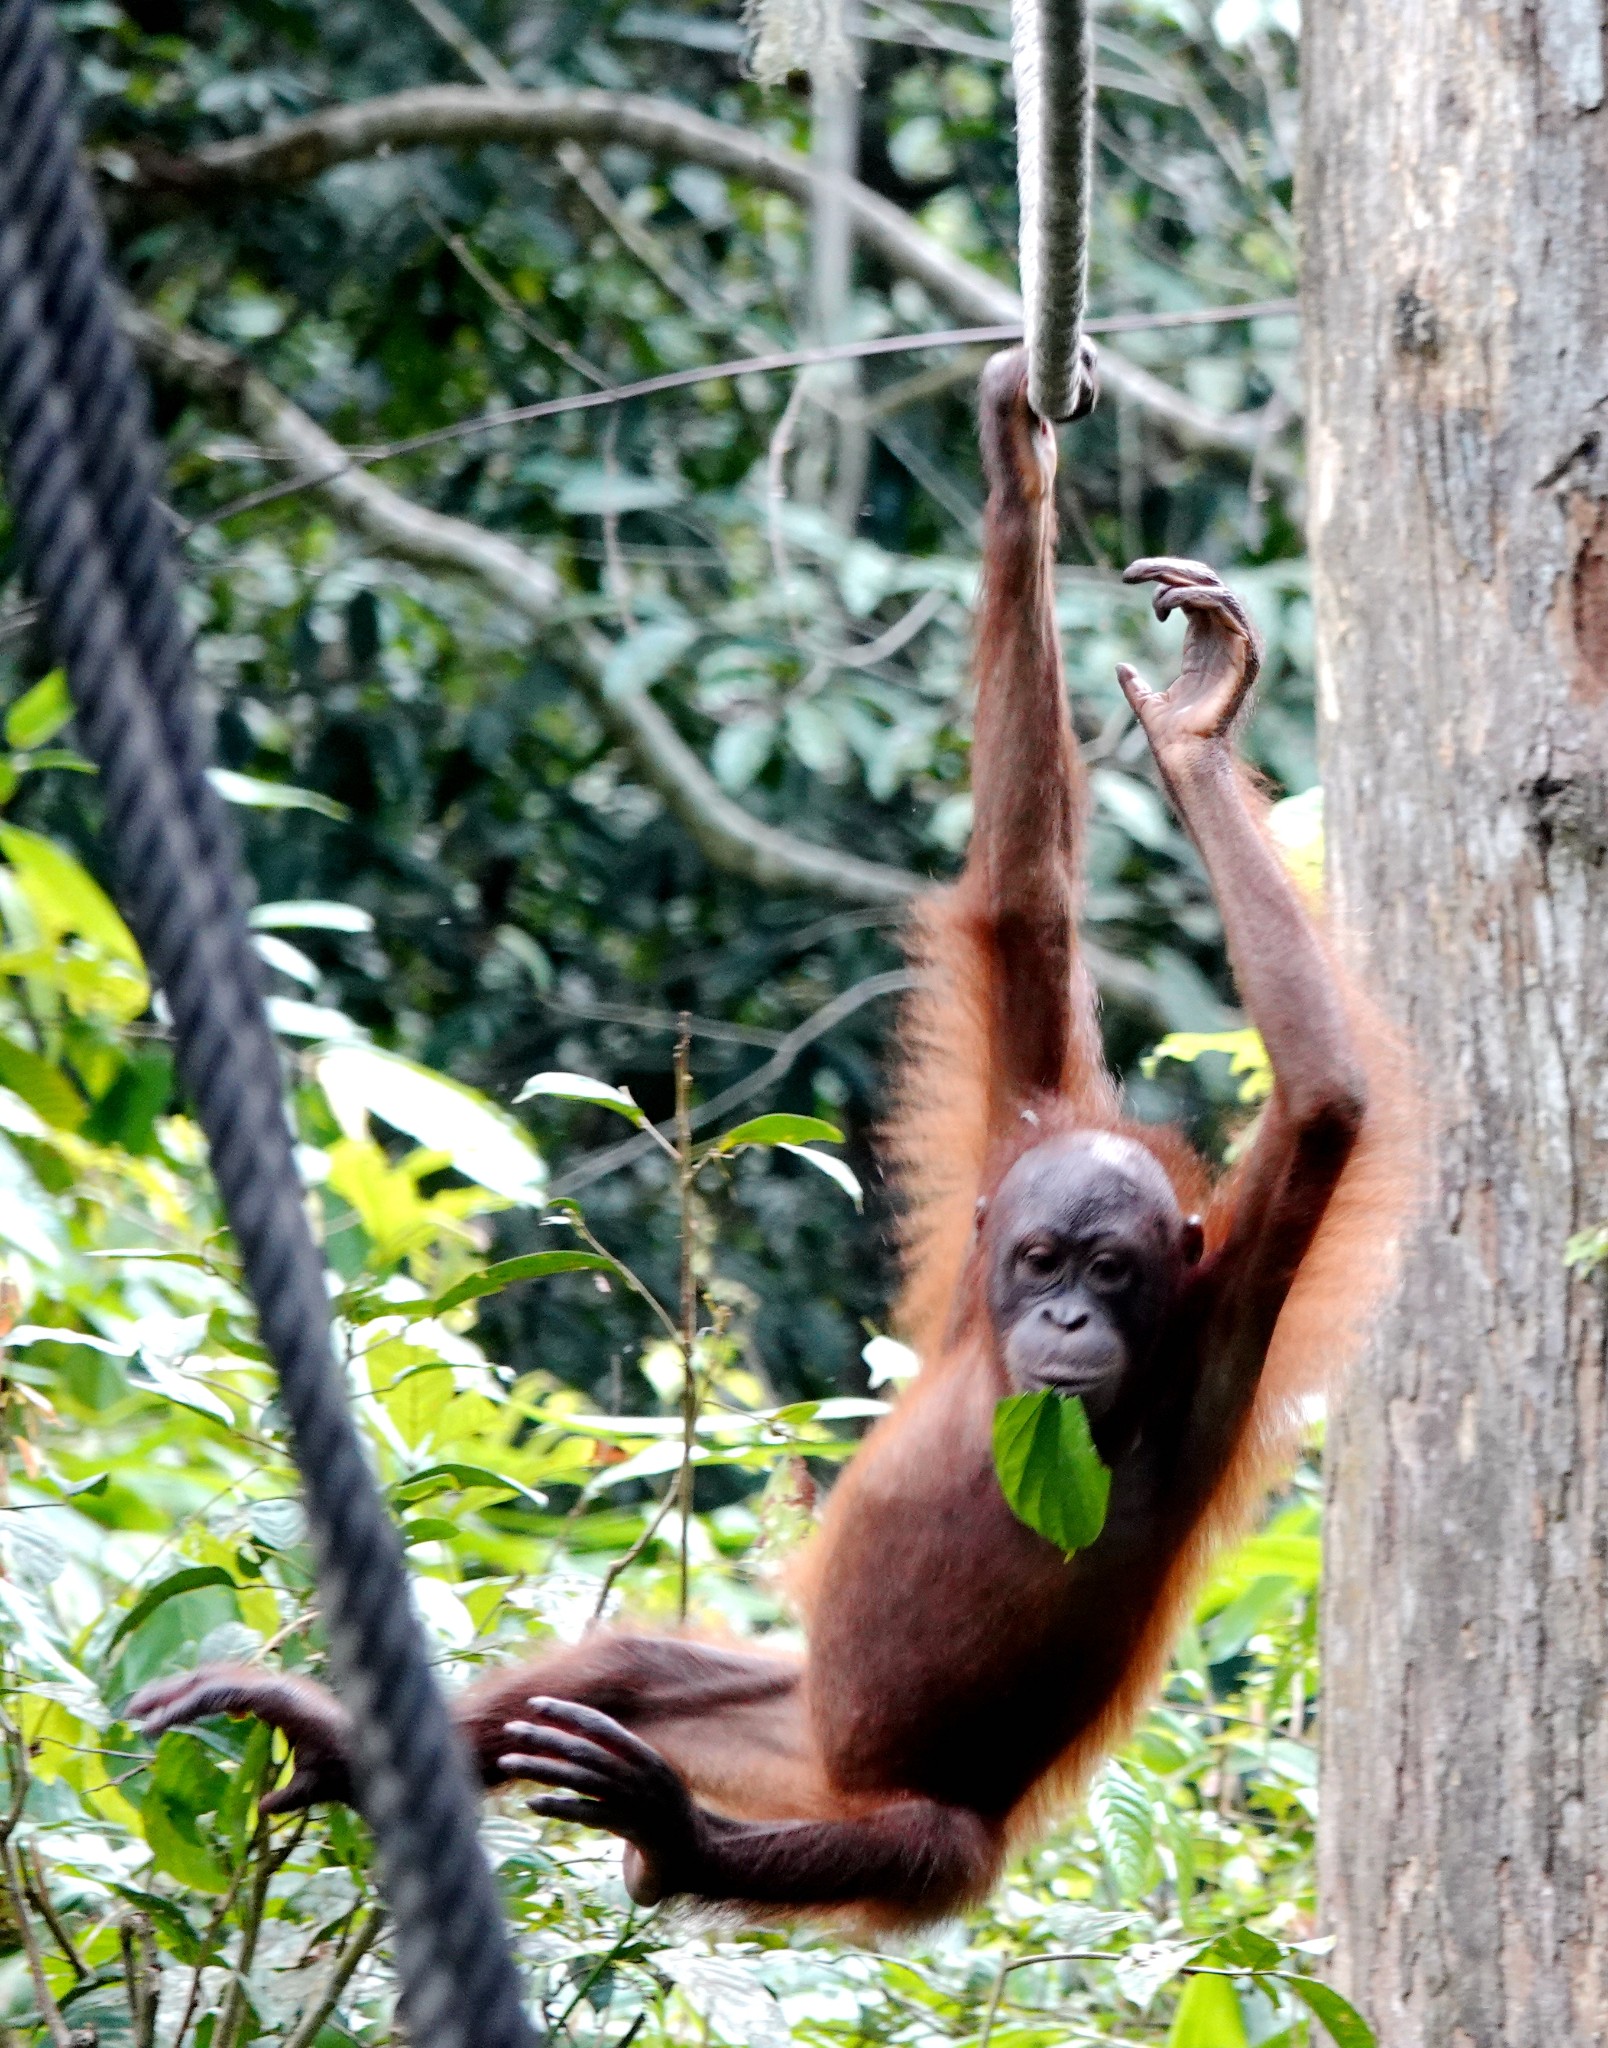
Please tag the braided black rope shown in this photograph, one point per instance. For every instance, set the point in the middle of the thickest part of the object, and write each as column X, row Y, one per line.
column 98, row 548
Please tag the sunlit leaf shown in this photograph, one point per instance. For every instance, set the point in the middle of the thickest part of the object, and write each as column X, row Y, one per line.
column 286, row 959
column 64, row 897
column 779, row 1130
column 580, row 1088
column 1048, row 1468
column 889, row 1360
column 295, row 1019
column 1125, row 1827
column 834, row 1169
column 40, row 713
column 44, row 1087
column 1248, row 1062
column 258, row 795
column 310, row 916
column 483, row 1143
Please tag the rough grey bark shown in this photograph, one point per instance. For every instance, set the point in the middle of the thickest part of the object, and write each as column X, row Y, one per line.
column 1456, row 209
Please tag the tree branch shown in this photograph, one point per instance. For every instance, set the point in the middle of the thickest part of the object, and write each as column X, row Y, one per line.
column 458, row 117
column 729, row 837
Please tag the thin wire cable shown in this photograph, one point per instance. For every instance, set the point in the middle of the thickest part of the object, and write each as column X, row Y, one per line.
column 98, row 550
column 709, row 373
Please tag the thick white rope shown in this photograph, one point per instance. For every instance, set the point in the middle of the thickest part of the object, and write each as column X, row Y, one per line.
column 1052, row 44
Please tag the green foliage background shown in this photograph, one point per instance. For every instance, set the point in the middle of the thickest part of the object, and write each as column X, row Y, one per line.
column 465, row 881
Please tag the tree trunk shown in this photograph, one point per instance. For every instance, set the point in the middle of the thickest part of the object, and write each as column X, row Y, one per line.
column 1456, row 208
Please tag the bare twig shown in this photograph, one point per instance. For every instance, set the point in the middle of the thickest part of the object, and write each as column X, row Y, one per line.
column 57, row 2027
column 686, row 1192
column 638, row 1286
column 624, row 1562
column 640, row 1019
column 903, row 630
column 503, row 299
column 269, row 1862
column 209, row 1939
column 356, row 1946
column 616, row 575
column 17, row 1769
column 142, row 1976
column 463, row 42
column 33, row 1871
column 781, row 444
column 597, row 1164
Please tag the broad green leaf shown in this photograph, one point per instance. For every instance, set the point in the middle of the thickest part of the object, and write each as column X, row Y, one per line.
column 175, row 1583
column 1208, row 2016
column 483, row 1143
column 442, row 1609
column 779, row 1130
column 94, row 984
column 1134, row 808
column 183, row 1388
column 834, row 1169
column 1341, row 2020
column 184, row 1784
column 181, row 1936
column 1145, row 1967
column 43, row 1087
column 1290, row 1549
column 589, row 489
column 741, row 750
column 70, row 1489
column 452, row 1473
column 1295, row 826
column 533, row 1266
column 1587, row 1249
column 1049, row 1469
column 257, row 795
column 414, row 1401
column 580, row 1088
column 1244, row 1948
column 310, row 917
column 278, row 1524
column 638, row 661
column 1229, row 1631
column 64, row 897
column 1124, row 1825
column 40, row 713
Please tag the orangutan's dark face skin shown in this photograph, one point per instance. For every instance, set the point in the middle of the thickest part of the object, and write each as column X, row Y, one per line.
column 1085, row 1248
